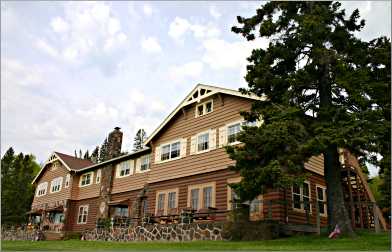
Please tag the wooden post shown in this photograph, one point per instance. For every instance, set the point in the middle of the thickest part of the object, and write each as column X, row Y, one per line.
column 375, row 219
column 318, row 218
column 359, row 201
column 350, row 190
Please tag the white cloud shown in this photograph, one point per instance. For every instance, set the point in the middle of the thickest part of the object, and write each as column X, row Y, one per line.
column 150, row 45
column 214, row 12
column 147, row 10
column 13, row 72
column 179, row 27
column 191, row 69
column 59, row 25
column 42, row 45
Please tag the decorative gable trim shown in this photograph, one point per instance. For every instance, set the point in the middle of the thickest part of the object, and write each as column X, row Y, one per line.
column 52, row 158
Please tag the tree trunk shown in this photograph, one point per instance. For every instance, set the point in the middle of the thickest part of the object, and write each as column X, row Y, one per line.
column 337, row 212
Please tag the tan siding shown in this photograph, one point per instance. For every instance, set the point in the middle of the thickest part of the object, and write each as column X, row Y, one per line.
column 316, row 164
column 73, row 214
column 47, row 176
column 129, row 183
column 185, row 126
column 84, row 192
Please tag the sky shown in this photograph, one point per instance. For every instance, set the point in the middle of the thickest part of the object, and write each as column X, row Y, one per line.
column 72, row 71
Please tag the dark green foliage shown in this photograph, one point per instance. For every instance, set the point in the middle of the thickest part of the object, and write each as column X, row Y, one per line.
column 325, row 89
column 17, row 172
column 94, row 155
column 139, row 139
column 86, row 155
column 104, row 151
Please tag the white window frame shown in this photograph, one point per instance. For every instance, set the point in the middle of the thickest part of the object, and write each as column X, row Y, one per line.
column 201, row 194
column 227, row 131
column 91, row 179
column 83, row 214
column 67, row 180
column 324, row 188
column 301, row 188
column 166, row 200
column 98, row 176
column 170, row 150
column 146, row 157
column 204, row 104
column 59, row 182
column 40, row 187
column 208, row 142
column 119, row 168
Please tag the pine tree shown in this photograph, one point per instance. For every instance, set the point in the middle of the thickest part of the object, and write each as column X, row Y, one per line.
column 86, row 155
column 94, row 155
column 319, row 97
column 103, row 153
column 76, row 155
column 139, row 140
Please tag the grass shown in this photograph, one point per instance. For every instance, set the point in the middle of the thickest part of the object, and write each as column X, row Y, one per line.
column 365, row 241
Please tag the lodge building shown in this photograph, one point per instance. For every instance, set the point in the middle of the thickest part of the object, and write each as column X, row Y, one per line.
column 183, row 167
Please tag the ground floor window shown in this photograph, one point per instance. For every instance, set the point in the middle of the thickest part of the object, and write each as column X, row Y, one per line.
column 166, row 202
column 301, row 196
column 82, row 214
column 120, row 211
column 201, row 196
column 321, row 199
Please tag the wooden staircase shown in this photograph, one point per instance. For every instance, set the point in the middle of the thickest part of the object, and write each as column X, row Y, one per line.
column 359, row 199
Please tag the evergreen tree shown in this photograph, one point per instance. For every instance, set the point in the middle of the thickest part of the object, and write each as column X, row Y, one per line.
column 80, row 153
column 103, row 153
column 139, row 139
column 76, row 155
column 86, row 155
column 94, row 155
column 318, row 89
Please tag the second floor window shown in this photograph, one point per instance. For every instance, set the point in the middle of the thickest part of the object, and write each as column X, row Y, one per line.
column 202, row 142
column 55, row 185
column 232, row 132
column 67, row 180
column 41, row 189
column 124, row 168
column 98, row 177
column 170, row 151
column 86, row 179
column 145, row 163
column 204, row 108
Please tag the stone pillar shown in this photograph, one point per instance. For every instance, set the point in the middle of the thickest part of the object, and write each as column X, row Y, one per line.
column 108, row 171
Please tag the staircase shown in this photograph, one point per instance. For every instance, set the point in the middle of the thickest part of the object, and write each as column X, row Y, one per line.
column 359, row 199
column 53, row 235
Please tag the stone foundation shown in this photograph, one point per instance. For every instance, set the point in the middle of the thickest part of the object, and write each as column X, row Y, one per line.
column 158, row 232
column 21, row 234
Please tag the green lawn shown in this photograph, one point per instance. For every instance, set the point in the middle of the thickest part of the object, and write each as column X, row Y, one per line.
column 364, row 241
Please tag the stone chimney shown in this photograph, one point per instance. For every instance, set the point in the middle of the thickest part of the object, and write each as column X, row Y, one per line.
column 114, row 143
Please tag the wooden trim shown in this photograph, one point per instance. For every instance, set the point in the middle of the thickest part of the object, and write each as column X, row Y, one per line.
column 302, row 210
column 230, row 191
column 325, row 214
column 201, row 198
column 166, row 201
column 91, row 180
column 77, row 221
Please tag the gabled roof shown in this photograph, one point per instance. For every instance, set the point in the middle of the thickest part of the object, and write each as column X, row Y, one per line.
column 201, row 91
column 71, row 163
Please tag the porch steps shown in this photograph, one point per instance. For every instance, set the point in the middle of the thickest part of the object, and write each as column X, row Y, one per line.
column 53, row 235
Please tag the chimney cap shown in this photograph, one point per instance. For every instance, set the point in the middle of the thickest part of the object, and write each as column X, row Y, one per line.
column 117, row 128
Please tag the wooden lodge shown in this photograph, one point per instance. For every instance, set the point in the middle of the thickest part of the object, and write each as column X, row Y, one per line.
column 182, row 175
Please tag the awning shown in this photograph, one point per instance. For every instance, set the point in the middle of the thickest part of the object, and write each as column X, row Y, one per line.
column 118, row 202
column 55, row 208
column 35, row 211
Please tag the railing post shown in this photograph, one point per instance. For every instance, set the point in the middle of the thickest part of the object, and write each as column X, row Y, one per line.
column 318, row 225
column 375, row 218
column 270, row 209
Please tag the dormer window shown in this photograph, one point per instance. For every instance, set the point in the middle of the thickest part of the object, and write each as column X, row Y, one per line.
column 204, row 108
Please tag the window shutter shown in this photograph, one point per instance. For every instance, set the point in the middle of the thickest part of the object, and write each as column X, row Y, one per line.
column 212, row 138
column 138, row 164
column 222, row 136
column 118, row 166
column 183, row 148
column 131, row 166
column 157, row 154
column 193, row 145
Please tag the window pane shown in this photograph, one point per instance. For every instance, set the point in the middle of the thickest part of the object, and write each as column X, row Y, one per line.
column 321, row 207
column 208, row 107
column 207, row 197
column 161, row 200
column 232, row 132
column 195, row 198
column 203, row 142
column 200, row 110
column 172, row 200
column 306, row 189
column 320, row 193
column 297, row 201
column 175, row 150
column 296, row 189
column 165, row 152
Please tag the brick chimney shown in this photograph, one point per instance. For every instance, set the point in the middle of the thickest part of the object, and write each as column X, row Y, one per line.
column 114, row 143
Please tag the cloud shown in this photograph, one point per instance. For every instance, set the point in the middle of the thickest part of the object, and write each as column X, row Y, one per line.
column 13, row 72
column 214, row 12
column 179, row 27
column 191, row 69
column 150, row 45
column 147, row 10
column 59, row 25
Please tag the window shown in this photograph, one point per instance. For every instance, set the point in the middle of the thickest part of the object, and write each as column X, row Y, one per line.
column 145, row 163
column 166, row 202
column 170, row 151
column 67, row 179
column 161, row 201
column 204, row 108
column 321, row 199
column 98, row 177
column 171, row 200
column 301, row 197
column 121, row 211
column 124, row 168
column 207, row 197
column 55, row 185
column 201, row 196
column 232, row 132
column 41, row 189
column 202, row 142
column 195, row 199
column 86, row 179
column 82, row 215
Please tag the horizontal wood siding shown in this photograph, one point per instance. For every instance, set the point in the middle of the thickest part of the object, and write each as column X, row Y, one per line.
column 131, row 182
column 93, row 209
column 47, row 176
column 85, row 192
column 185, row 126
column 316, row 164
